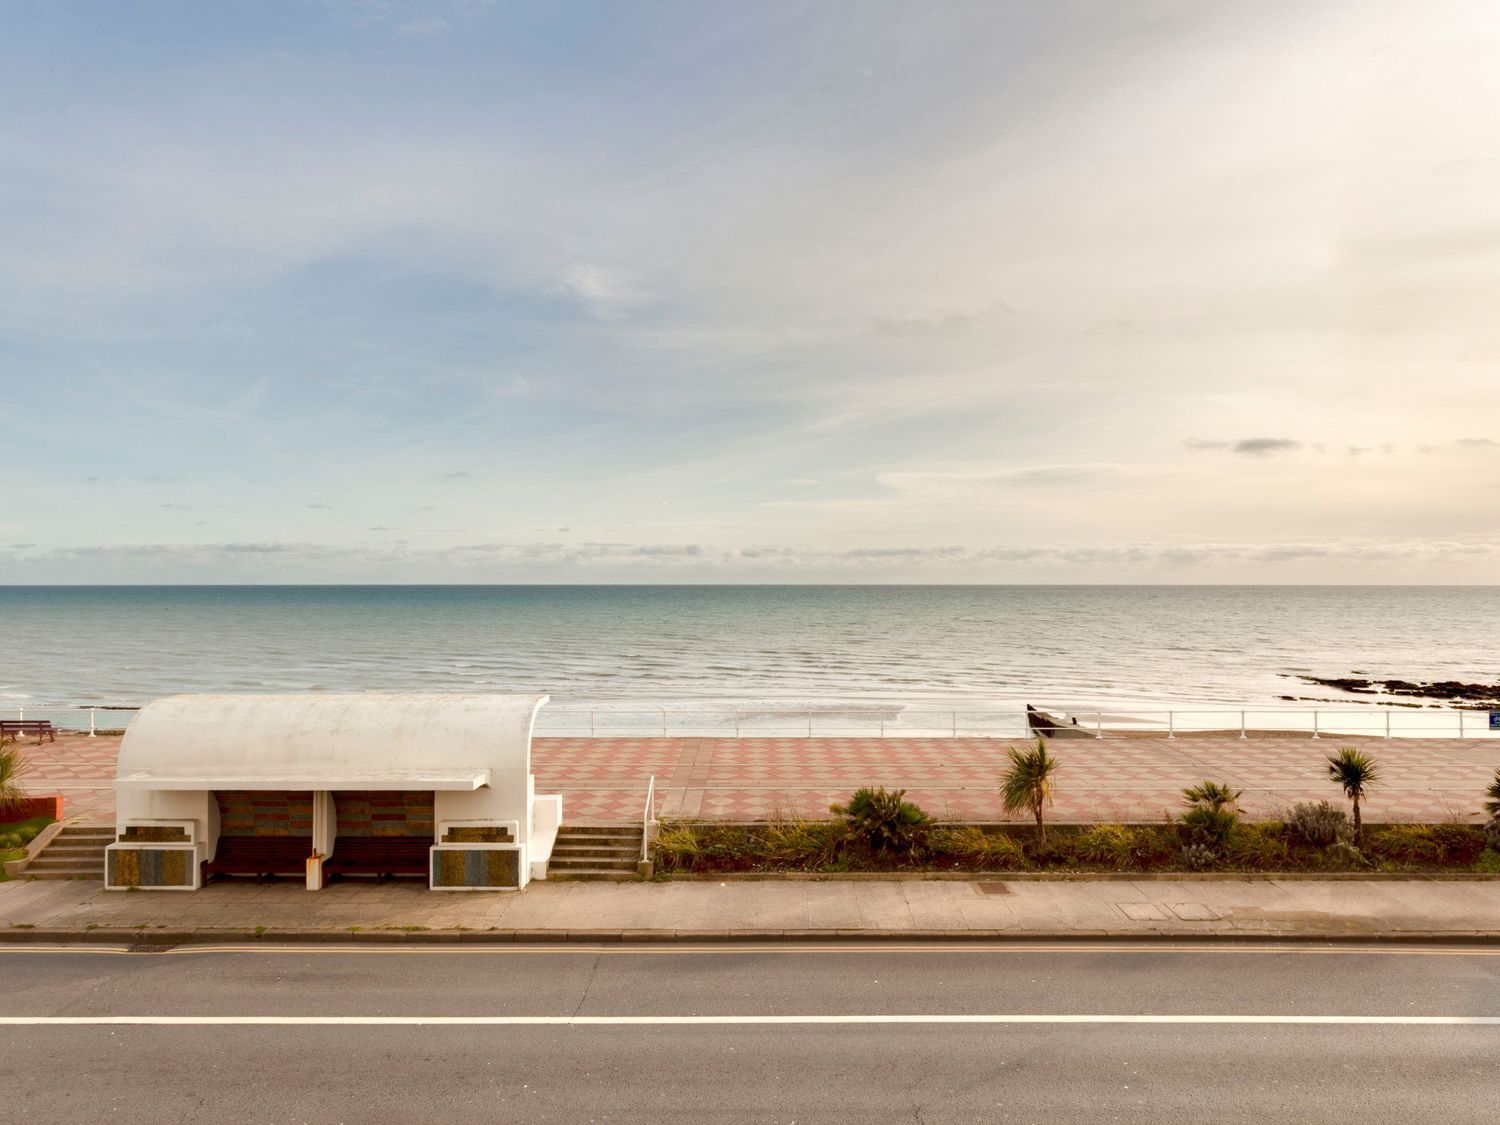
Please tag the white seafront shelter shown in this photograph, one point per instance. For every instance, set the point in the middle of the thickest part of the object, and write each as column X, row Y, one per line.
column 318, row 785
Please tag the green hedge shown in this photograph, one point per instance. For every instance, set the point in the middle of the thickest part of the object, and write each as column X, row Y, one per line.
column 828, row 845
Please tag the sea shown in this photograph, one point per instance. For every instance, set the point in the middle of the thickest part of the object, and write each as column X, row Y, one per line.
column 1072, row 648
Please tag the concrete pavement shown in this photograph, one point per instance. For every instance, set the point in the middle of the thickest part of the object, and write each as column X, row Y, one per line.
column 768, row 909
column 978, row 1032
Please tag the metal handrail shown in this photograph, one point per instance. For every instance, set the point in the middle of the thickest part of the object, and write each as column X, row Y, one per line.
column 647, row 819
column 1373, row 720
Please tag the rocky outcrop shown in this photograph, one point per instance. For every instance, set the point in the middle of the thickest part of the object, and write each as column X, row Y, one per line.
column 1483, row 696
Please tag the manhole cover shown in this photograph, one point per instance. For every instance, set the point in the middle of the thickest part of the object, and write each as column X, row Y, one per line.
column 993, row 888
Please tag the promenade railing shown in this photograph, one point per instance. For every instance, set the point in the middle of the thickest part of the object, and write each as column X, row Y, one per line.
column 874, row 721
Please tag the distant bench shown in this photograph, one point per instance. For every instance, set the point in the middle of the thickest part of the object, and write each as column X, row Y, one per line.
column 260, row 855
column 37, row 727
column 379, row 855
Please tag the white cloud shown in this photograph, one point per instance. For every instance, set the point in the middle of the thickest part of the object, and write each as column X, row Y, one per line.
column 604, row 293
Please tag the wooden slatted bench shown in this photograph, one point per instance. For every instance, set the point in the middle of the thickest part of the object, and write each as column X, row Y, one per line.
column 10, row 728
column 379, row 855
column 259, row 855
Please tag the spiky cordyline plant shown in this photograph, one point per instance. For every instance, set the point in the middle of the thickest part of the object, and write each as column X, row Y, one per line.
column 12, row 768
column 1028, row 784
column 1354, row 773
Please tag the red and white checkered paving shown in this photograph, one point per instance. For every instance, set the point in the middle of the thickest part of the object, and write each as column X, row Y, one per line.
column 603, row 780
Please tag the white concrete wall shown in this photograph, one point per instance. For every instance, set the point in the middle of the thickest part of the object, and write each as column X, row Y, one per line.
column 197, row 805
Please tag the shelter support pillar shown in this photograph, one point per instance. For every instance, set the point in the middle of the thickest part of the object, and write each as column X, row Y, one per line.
column 324, row 833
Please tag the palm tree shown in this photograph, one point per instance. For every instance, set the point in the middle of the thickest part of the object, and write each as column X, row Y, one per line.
column 1492, row 805
column 1211, row 814
column 1028, row 784
column 12, row 768
column 1354, row 773
column 1211, row 795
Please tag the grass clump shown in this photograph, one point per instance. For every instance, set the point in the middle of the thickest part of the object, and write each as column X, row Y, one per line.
column 1429, row 845
column 971, row 847
column 1120, row 847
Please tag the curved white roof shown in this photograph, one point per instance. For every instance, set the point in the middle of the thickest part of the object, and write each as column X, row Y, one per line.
column 364, row 741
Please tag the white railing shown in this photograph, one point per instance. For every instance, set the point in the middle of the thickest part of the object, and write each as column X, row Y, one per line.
column 648, row 818
column 80, row 719
column 1095, row 722
column 876, row 721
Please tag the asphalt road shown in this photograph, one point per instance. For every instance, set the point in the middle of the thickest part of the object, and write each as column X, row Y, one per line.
column 945, row 1033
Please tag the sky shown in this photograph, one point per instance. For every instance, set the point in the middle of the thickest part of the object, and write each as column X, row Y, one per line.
column 388, row 291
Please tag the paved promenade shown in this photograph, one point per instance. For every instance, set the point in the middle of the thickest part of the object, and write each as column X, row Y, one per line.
column 604, row 779
column 768, row 909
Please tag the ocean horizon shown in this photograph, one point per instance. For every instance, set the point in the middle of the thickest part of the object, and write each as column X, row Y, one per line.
column 708, row 646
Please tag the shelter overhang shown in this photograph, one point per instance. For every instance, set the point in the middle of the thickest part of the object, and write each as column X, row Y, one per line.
column 448, row 780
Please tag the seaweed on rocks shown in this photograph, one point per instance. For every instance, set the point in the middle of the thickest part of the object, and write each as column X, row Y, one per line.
column 1452, row 691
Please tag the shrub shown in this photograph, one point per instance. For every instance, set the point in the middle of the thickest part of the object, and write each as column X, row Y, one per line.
column 1488, row 861
column 1210, row 815
column 1492, row 834
column 1197, row 857
column 1319, row 825
column 973, row 846
column 1210, row 827
column 884, row 820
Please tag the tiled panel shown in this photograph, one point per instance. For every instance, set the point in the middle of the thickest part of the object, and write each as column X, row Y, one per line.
column 373, row 813
column 253, row 812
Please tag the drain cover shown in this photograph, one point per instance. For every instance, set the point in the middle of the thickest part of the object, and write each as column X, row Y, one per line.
column 147, row 947
column 993, row 888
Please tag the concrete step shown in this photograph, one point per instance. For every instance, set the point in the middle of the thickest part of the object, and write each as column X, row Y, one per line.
column 590, row 863
column 31, row 872
column 578, row 834
column 632, row 847
column 586, row 875
column 52, row 851
column 599, row 830
column 39, row 865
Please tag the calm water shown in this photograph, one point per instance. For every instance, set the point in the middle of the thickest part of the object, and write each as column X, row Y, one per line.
column 677, row 645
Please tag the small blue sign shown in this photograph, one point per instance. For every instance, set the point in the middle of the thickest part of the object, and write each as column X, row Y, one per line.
column 1495, row 720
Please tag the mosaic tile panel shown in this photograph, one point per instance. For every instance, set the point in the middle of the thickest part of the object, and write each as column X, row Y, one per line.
column 150, row 867
column 264, row 813
column 476, row 867
column 154, row 834
column 478, row 834
column 377, row 813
